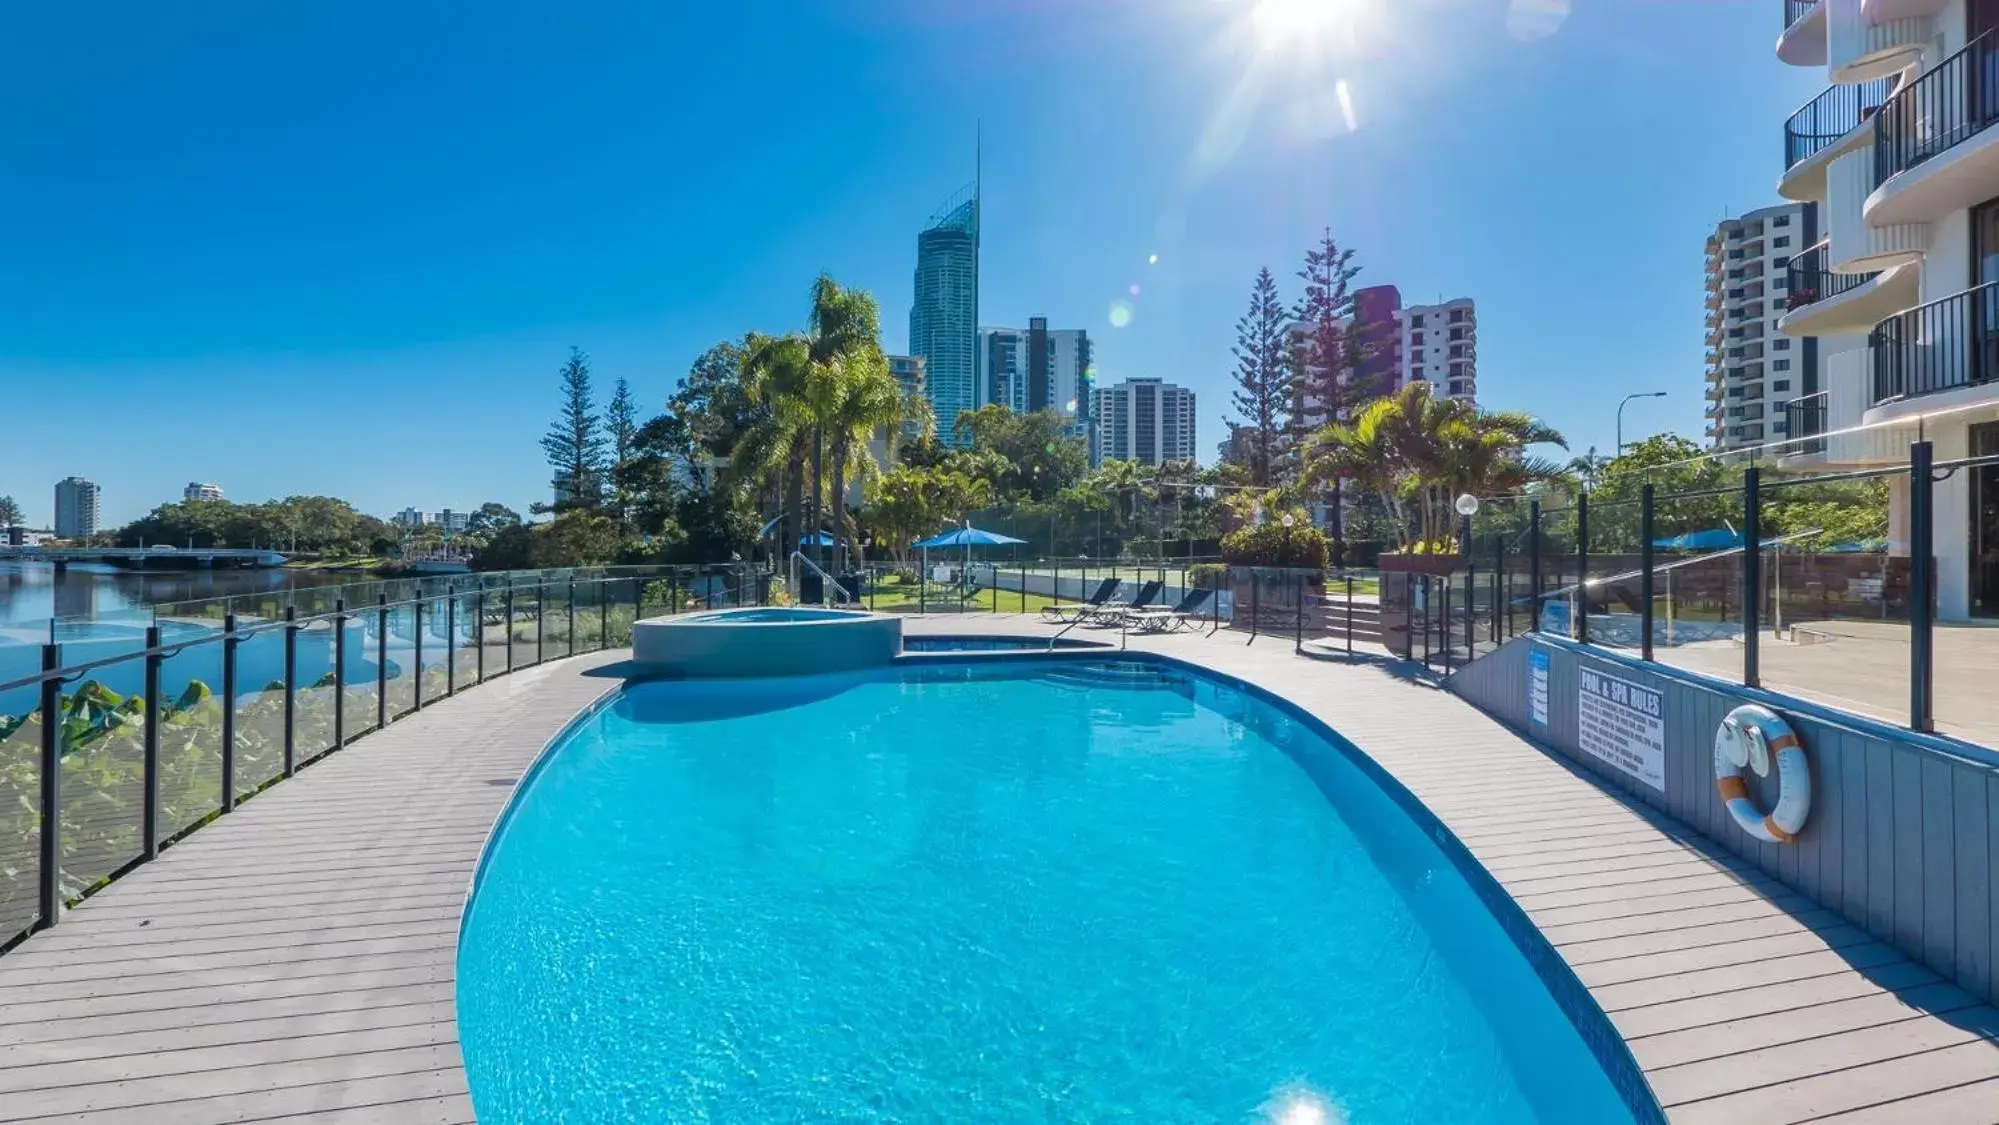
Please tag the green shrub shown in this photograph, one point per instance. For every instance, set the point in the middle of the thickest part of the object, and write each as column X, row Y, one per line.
column 1273, row 544
column 1207, row 576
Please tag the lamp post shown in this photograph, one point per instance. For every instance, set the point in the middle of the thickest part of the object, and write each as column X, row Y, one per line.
column 1620, row 414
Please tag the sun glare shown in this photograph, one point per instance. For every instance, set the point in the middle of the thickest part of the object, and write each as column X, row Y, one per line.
column 1284, row 23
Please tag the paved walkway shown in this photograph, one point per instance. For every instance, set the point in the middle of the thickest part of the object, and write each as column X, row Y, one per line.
column 295, row 961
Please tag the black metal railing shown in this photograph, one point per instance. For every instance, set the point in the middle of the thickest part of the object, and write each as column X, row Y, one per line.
column 1795, row 10
column 116, row 755
column 1832, row 115
column 1951, row 103
column 1804, row 423
column 1946, row 344
column 1809, row 280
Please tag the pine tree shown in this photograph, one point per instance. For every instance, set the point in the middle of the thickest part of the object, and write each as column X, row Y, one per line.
column 1263, row 390
column 10, row 512
column 1326, row 367
column 574, row 443
column 621, row 418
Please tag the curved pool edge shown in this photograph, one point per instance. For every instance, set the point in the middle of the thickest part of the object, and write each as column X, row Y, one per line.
column 1567, row 991
column 721, row 646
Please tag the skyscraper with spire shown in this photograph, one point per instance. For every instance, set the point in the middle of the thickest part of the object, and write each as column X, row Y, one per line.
column 944, row 317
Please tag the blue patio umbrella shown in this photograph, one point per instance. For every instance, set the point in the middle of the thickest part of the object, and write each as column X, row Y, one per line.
column 1859, row 547
column 967, row 537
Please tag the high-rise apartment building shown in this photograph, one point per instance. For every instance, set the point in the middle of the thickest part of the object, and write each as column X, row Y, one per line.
column 1753, row 370
column 1145, row 420
column 1401, row 344
column 908, row 371
column 1901, row 156
column 76, row 508
column 201, row 490
column 1036, row 368
column 944, row 317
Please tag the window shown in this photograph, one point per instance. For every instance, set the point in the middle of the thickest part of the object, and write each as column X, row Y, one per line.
column 1780, row 365
column 1780, row 384
column 1416, row 320
column 1457, row 351
column 1781, row 344
column 1735, row 255
column 1415, row 339
column 1735, row 275
column 1781, row 241
column 1781, row 221
column 1735, row 294
column 1457, row 316
column 1457, row 333
column 1781, row 261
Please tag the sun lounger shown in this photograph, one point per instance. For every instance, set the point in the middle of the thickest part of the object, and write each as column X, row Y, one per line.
column 1065, row 614
column 1112, row 613
column 1167, row 620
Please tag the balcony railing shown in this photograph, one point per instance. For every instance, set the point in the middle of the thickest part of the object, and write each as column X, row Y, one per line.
column 1809, row 281
column 1795, row 10
column 1804, row 423
column 1832, row 115
column 1936, row 347
column 1954, row 102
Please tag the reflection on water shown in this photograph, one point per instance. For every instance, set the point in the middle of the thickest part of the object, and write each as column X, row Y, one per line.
column 33, row 593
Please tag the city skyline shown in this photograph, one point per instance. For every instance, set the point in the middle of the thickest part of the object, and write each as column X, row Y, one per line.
column 1124, row 147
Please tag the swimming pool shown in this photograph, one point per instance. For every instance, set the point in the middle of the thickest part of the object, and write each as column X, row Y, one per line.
column 937, row 643
column 771, row 615
column 1034, row 889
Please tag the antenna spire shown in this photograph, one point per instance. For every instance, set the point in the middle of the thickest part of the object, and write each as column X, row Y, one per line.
column 978, row 154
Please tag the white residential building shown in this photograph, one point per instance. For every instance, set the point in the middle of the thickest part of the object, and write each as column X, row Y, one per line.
column 1901, row 154
column 1144, row 420
column 76, row 508
column 1401, row 344
column 1037, row 368
column 1752, row 369
column 201, row 490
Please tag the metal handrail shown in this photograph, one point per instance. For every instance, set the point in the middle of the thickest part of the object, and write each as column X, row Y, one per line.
column 1809, row 280
column 1830, row 116
column 799, row 557
column 1952, row 102
column 1948, row 343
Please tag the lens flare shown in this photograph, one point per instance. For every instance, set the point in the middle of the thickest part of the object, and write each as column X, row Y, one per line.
column 1120, row 313
column 1152, row 260
column 1301, row 1106
column 1345, row 96
column 1134, row 289
column 1281, row 23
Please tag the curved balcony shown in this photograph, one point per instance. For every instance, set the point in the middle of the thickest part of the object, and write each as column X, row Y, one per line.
column 1802, row 42
column 1881, row 11
column 1859, row 49
column 1823, row 302
column 1949, row 347
column 1804, row 425
column 1853, row 244
column 1935, row 150
column 1837, row 121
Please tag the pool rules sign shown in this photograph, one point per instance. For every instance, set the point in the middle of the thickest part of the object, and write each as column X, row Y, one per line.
column 1622, row 724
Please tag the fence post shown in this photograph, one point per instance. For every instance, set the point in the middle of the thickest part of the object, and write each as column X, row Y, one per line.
column 604, row 611
column 291, row 690
column 479, row 635
column 1582, row 567
column 150, row 798
column 1349, row 615
column 507, row 597
column 339, row 673
column 1752, row 574
column 450, row 639
column 228, row 712
column 416, row 639
column 1298, row 625
column 1498, row 575
column 381, row 660
column 1444, row 631
column 1534, row 564
column 540, row 618
column 572, row 611
column 50, row 875
column 1255, row 603
column 1922, row 620
column 1645, row 498
column 1423, row 583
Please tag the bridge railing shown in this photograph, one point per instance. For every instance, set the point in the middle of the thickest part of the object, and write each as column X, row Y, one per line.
column 110, row 754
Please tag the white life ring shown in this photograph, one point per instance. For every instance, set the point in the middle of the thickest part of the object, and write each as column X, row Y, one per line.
column 1749, row 738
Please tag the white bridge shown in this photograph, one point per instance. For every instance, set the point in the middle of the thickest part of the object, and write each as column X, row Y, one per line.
column 147, row 558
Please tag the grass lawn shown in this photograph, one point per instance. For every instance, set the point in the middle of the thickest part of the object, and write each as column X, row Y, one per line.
column 891, row 595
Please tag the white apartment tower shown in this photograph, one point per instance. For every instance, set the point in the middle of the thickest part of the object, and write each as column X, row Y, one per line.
column 1401, row 344
column 201, row 490
column 1753, row 370
column 76, row 508
column 1901, row 155
column 1143, row 420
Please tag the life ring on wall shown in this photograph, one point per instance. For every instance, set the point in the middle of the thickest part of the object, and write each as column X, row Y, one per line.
column 1749, row 737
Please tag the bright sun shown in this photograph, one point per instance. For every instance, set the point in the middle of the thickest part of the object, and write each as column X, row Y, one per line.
column 1282, row 23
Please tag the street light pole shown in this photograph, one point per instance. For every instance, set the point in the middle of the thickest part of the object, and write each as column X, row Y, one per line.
column 1620, row 415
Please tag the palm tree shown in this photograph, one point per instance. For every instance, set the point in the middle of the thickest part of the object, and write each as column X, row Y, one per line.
column 776, row 370
column 851, row 397
column 845, row 324
column 1417, row 450
column 1588, row 469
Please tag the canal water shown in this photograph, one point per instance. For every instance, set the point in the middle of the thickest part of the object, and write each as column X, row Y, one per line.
column 96, row 612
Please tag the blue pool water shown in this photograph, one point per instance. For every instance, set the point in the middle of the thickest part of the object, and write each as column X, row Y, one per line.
column 1043, row 890
column 992, row 644
column 772, row 616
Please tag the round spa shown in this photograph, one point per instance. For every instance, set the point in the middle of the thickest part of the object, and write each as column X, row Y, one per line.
column 765, row 642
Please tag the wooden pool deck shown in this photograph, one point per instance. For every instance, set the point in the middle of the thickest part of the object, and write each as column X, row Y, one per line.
column 295, row 961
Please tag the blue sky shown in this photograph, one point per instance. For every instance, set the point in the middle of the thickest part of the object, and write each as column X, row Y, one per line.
column 312, row 248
